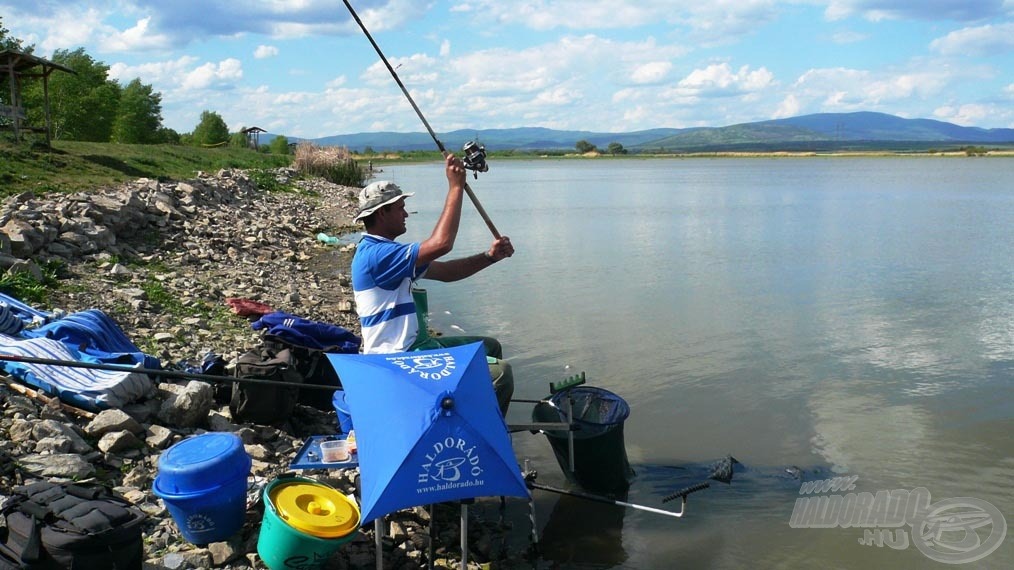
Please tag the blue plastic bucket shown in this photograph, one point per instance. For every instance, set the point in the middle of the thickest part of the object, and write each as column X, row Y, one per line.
column 203, row 482
column 341, row 408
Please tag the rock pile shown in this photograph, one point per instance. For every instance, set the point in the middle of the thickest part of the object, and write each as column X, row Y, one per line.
column 161, row 258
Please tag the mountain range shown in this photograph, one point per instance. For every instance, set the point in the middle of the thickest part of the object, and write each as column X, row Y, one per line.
column 822, row 131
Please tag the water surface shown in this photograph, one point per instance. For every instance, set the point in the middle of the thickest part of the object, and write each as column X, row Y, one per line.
column 843, row 315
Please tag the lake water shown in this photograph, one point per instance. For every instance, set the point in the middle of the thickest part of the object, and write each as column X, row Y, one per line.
column 841, row 315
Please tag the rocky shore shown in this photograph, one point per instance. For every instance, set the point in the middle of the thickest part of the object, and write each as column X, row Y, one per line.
column 161, row 258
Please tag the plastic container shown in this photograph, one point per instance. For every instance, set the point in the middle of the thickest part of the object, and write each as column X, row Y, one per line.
column 334, row 451
column 304, row 523
column 600, row 455
column 203, row 482
column 341, row 409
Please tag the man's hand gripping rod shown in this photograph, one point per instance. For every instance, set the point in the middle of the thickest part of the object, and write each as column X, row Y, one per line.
column 440, row 145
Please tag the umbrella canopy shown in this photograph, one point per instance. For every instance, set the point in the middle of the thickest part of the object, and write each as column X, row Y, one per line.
column 428, row 428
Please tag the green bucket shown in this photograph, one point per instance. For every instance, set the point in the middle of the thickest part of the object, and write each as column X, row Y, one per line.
column 304, row 523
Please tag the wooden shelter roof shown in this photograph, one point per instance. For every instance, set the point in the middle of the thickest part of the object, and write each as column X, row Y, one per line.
column 24, row 61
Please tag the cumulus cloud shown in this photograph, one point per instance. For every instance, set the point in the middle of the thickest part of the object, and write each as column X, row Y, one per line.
column 138, row 38
column 789, row 107
column 982, row 40
column 969, row 114
column 720, row 80
column 162, row 74
column 264, row 52
column 651, row 72
column 221, row 75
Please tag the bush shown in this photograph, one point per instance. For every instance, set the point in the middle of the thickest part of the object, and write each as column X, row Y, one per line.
column 334, row 164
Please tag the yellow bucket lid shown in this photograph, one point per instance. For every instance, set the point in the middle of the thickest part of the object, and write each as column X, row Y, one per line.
column 315, row 509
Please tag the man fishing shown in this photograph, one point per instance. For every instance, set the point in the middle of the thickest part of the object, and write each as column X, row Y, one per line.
column 384, row 272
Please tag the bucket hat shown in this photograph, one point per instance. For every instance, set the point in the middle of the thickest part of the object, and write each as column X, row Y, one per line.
column 377, row 195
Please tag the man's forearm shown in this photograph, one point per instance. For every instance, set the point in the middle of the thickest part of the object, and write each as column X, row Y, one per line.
column 457, row 269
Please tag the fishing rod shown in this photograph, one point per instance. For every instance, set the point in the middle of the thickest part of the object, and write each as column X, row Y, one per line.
column 157, row 372
column 475, row 155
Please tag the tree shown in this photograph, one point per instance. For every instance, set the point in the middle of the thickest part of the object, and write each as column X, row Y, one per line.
column 82, row 104
column 280, row 145
column 615, row 148
column 239, row 139
column 139, row 115
column 7, row 42
column 584, row 146
column 166, row 135
column 211, row 131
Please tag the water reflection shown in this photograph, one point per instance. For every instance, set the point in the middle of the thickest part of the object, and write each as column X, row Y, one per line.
column 583, row 534
column 854, row 313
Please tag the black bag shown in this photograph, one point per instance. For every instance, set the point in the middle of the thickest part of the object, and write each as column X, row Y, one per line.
column 262, row 403
column 313, row 365
column 45, row 526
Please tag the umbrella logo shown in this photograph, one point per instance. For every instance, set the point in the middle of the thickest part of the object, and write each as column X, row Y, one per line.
column 427, row 367
column 451, row 460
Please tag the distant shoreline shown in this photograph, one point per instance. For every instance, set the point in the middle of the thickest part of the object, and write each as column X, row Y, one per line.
column 396, row 158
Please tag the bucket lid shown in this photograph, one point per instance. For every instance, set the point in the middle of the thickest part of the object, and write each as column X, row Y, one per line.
column 316, row 509
column 202, row 462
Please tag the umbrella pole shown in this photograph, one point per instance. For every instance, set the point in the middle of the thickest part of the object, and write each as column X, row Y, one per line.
column 464, row 535
column 378, row 531
column 570, row 432
column 429, row 557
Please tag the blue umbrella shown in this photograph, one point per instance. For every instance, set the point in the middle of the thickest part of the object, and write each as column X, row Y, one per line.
column 428, row 428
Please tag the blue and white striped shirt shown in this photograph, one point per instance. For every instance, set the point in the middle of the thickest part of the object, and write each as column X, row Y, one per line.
column 383, row 272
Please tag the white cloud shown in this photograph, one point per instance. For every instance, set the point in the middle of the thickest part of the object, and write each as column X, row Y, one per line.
column 139, row 38
column 68, row 29
column 789, row 107
column 264, row 52
column 445, row 48
column 651, row 72
column 210, row 75
column 968, row 114
column 982, row 40
column 414, row 70
column 162, row 74
column 557, row 96
column 719, row 79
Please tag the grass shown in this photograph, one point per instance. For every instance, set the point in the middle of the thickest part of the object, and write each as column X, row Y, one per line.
column 81, row 166
column 22, row 285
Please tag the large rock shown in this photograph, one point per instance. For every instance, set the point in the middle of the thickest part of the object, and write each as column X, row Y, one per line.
column 64, row 465
column 188, row 407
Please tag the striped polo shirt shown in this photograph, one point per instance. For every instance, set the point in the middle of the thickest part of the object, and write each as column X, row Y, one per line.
column 383, row 271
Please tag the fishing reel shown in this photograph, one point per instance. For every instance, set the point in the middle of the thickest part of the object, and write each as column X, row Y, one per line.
column 475, row 157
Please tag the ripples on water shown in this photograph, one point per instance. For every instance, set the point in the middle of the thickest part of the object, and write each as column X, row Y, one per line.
column 848, row 315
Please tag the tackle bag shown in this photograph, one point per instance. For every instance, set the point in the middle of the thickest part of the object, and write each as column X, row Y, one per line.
column 313, row 366
column 263, row 403
column 46, row 526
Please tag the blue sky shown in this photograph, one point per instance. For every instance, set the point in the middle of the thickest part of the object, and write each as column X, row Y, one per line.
column 303, row 68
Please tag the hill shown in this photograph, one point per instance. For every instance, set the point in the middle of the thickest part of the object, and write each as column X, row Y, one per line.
column 860, row 130
column 72, row 166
